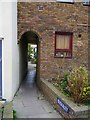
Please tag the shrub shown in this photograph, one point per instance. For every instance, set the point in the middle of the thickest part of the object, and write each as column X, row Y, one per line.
column 63, row 85
column 35, row 61
column 78, row 84
column 64, row 82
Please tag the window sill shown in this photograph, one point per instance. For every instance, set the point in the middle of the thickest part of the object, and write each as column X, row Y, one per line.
column 63, row 57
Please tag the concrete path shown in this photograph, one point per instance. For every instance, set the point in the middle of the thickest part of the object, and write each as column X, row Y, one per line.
column 29, row 102
column 0, row 110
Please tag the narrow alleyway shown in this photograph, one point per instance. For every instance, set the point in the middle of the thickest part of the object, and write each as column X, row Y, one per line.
column 29, row 102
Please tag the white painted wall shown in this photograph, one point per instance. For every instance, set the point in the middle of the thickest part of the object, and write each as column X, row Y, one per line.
column 8, row 30
column 15, row 50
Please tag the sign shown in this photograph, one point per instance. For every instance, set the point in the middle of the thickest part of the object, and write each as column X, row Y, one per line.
column 62, row 105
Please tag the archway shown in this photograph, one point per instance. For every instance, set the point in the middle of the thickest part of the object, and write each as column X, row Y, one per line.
column 29, row 37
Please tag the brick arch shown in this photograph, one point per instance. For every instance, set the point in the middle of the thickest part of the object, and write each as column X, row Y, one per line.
column 21, row 33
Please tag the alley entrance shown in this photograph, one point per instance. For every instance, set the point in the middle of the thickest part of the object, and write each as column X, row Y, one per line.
column 29, row 102
column 28, row 40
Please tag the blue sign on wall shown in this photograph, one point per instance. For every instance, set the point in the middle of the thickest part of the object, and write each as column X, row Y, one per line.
column 62, row 105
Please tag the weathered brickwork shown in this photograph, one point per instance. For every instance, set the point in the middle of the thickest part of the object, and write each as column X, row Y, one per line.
column 56, row 17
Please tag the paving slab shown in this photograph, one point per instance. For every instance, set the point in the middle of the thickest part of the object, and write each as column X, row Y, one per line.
column 0, row 110
column 8, row 110
column 29, row 102
column 48, row 115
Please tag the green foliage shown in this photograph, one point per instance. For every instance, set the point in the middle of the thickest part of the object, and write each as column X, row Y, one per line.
column 35, row 57
column 30, row 51
column 86, row 92
column 14, row 115
column 35, row 61
column 64, row 85
column 78, row 84
column 64, row 82
column 86, row 102
column 56, row 84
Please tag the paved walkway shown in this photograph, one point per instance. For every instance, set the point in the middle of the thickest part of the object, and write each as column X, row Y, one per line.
column 29, row 102
column 0, row 110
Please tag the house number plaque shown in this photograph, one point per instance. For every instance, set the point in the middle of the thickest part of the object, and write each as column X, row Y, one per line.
column 62, row 105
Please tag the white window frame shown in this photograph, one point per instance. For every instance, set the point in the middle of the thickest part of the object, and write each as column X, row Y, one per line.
column 66, row 1
column 2, row 39
column 86, row 2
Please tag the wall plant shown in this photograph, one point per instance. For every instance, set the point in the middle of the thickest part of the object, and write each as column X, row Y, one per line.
column 79, row 85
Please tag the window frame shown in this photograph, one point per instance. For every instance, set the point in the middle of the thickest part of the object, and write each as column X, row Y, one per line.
column 62, row 1
column 86, row 4
column 64, row 50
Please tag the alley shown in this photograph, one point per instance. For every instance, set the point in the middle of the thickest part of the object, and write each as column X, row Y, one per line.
column 29, row 101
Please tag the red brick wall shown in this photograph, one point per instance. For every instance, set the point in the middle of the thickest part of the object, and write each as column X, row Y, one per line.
column 56, row 17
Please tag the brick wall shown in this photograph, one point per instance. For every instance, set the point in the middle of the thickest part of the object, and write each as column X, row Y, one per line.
column 55, row 17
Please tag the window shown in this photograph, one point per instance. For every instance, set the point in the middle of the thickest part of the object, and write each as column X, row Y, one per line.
column 68, row 1
column 86, row 2
column 63, row 44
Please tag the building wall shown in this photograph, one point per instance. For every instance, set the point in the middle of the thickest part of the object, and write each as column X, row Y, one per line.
column 56, row 17
column 53, row 17
column 8, row 30
column 15, row 51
